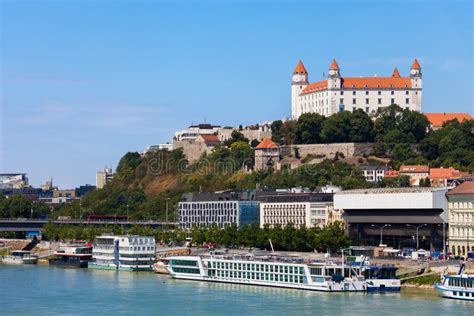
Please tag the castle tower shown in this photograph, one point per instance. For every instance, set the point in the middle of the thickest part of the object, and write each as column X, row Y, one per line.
column 334, row 83
column 416, row 84
column 298, row 84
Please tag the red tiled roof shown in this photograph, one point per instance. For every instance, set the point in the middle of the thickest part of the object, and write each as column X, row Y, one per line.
column 442, row 172
column 300, row 68
column 417, row 168
column 334, row 65
column 416, row 64
column 210, row 138
column 395, row 73
column 464, row 188
column 266, row 144
column 438, row 119
column 316, row 86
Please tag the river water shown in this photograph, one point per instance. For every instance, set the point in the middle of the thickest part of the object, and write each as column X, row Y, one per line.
column 43, row 290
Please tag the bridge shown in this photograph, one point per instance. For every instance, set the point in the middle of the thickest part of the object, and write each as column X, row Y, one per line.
column 34, row 224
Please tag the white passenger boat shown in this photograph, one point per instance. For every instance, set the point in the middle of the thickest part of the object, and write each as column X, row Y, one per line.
column 267, row 271
column 457, row 286
column 20, row 257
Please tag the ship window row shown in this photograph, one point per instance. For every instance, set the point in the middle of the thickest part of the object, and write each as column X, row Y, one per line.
column 136, row 262
column 286, row 278
column 130, row 255
column 461, row 282
column 467, row 294
column 190, row 263
column 186, row 270
column 139, row 248
column 255, row 267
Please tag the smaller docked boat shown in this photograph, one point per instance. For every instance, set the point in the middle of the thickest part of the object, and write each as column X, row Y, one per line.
column 20, row 257
column 72, row 257
column 381, row 278
column 161, row 266
column 457, row 286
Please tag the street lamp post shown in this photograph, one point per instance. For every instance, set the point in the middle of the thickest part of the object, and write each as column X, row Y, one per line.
column 417, row 228
column 381, row 231
column 444, row 240
column 166, row 219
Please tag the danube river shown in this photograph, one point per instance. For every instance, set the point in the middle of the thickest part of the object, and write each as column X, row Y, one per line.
column 41, row 290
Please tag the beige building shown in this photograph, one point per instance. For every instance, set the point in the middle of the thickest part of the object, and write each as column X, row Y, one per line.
column 300, row 209
column 103, row 177
column 415, row 173
column 461, row 219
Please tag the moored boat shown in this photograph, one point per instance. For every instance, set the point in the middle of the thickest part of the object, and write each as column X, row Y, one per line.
column 267, row 271
column 20, row 257
column 72, row 257
column 457, row 286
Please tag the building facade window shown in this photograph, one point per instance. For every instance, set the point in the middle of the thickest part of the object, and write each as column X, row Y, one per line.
column 380, row 101
column 353, row 101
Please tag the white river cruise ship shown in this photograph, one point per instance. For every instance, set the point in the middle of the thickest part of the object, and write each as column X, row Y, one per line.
column 267, row 271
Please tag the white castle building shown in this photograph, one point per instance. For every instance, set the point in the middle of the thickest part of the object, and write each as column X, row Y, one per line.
column 338, row 93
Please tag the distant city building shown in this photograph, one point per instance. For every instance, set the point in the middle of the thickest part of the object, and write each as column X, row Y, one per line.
column 300, row 209
column 373, row 173
column 336, row 93
column 442, row 177
column 461, row 219
column 13, row 180
column 218, row 208
column 267, row 154
column 209, row 139
column 48, row 186
column 396, row 214
column 103, row 177
column 415, row 173
column 28, row 192
column 193, row 131
column 437, row 120
column 155, row 148
column 84, row 189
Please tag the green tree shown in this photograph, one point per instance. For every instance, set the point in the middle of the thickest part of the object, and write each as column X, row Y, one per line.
column 308, row 128
column 337, row 128
column 361, row 127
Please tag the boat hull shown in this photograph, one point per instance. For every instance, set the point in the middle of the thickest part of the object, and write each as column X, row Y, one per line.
column 455, row 293
column 66, row 264
column 342, row 287
column 19, row 260
column 119, row 268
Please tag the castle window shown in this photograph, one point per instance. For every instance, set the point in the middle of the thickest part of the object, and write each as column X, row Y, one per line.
column 353, row 86
column 353, row 93
column 380, row 101
column 367, row 109
column 353, row 101
column 406, row 92
column 391, row 86
column 416, row 92
column 342, row 92
column 341, row 101
column 366, row 92
column 392, row 101
column 353, row 108
column 365, row 86
column 380, row 92
column 392, row 93
column 366, row 101
column 407, row 101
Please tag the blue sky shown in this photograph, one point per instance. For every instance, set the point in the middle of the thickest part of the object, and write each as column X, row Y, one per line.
column 83, row 82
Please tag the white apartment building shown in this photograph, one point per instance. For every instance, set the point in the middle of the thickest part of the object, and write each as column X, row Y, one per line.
column 337, row 93
column 130, row 253
column 193, row 131
column 373, row 173
column 221, row 213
